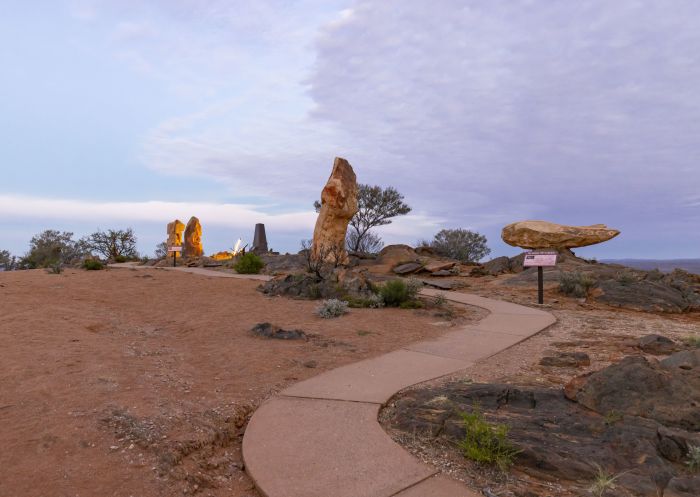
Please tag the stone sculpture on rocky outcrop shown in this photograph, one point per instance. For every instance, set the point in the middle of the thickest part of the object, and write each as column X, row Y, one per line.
column 175, row 230
column 546, row 235
column 193, row 239
column 338, row 205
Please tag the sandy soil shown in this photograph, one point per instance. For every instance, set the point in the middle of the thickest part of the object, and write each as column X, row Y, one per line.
column 130, row 382
column 605, row 334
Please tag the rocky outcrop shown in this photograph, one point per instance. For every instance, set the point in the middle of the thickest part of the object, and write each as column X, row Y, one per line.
column 193, row 239
column 636, row 419
column 397, row 254
column 546, row 235
column 338, row 205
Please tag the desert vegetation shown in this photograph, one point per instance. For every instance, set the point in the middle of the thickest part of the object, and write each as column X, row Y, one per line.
column 459, row 244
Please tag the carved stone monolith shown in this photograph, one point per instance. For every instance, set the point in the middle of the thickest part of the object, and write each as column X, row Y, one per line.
column 175, row 230
column 259, row 240
column 193, row 239
column 338, row 205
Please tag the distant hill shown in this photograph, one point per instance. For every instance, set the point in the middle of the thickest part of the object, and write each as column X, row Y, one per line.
column 664, row 265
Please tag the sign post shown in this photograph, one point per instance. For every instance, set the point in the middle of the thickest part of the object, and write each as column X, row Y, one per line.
column 175, row 249
column 540, row 258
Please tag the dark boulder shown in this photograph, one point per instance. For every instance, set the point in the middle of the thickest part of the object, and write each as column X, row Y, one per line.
column 267, row 330
column 656, row 345
column 567, row 360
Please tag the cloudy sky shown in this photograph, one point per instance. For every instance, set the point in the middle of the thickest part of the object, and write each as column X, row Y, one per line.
column 118, row 113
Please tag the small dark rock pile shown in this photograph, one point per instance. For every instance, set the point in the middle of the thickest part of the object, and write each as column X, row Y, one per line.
column 267, row 330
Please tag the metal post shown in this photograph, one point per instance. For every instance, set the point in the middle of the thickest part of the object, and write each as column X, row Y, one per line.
column 174, row 259
column 540, row 285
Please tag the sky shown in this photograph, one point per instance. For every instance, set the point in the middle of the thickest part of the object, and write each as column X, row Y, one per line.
column 124, row 113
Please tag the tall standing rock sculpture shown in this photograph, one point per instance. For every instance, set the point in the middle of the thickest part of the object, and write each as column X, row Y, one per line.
column 175, row 230
column 193, row 239
column 338, row 205
column 259, row 240
column 543, row 234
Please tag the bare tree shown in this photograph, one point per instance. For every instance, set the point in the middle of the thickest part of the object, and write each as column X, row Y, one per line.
column 326, row 260
column 376, row 207
column 113, row 244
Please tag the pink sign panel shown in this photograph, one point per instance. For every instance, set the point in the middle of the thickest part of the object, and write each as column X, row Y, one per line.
column 540, row 259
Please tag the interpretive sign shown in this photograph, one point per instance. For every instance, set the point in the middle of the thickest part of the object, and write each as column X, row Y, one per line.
column 175, row 249
column 540, row 258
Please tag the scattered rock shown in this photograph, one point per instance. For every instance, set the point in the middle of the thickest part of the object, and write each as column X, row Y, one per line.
column 640, row 387
column 338, row 205
column 645, row 295
column 425, row 250
column 567, row 360
column 396, row 254
column 656, row 345
column 543, row 234
column 496, row 266
column 442, row 284
column 310, row 364
column 434, row 267
column 408, row 268
column 267, row 330
column 687, row 359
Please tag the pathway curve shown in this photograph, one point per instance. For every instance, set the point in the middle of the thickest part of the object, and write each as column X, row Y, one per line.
column 321, row 437
column 193, row 270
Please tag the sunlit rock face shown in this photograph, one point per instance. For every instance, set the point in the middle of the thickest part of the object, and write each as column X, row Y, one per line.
column 175, row 230
column 338, row 205
column 544, row 235
column 193, row 239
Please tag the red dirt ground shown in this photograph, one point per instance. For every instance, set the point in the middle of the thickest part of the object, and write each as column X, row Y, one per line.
column 139, row 383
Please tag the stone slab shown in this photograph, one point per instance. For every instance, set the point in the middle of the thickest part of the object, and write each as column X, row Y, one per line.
column 438, row 486
column 376, row 380
column 320, row 448
column 467, row 344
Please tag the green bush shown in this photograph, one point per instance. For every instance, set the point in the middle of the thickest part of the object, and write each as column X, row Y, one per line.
column 576, row 284
column 692, row 341
column 374, row 301
column 693, row 459
column 486, row 443
column 411, row 304
column 121, row 258
column 93, row 264
column 394, row 293
column 248, row 263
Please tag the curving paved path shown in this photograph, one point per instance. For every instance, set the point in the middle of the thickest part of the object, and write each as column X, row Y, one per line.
column 321, row 437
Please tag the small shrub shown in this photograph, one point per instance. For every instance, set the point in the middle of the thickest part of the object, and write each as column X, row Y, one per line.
column 413, row 286
column 692, row 341
column 394, row 293
column 332, row 308
column 486, row 443
column 92, row 265
column 603, row 481
column 55, row 268
column 439, row 300
column 612, row 417
column 121, row 258
column 248, row 263
column 693, row 459
column 576, row 284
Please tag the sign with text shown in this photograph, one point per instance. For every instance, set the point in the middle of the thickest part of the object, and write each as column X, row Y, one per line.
column 540, row 258
column 175, row 249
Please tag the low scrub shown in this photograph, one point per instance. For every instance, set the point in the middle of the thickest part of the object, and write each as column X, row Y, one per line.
column 486, row 443
column 374, row 301
column 93, row 265
column 332, row 308
column 576, row 284
column 248, row 263
column 396, row 293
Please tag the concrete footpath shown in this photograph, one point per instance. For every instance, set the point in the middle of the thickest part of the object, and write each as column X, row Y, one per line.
column 321, row 437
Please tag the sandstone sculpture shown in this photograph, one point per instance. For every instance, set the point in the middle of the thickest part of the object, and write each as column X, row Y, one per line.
column 546, row 235
column 175, row 230
column 259, row 240
column 338, row 205
column 193, row 239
